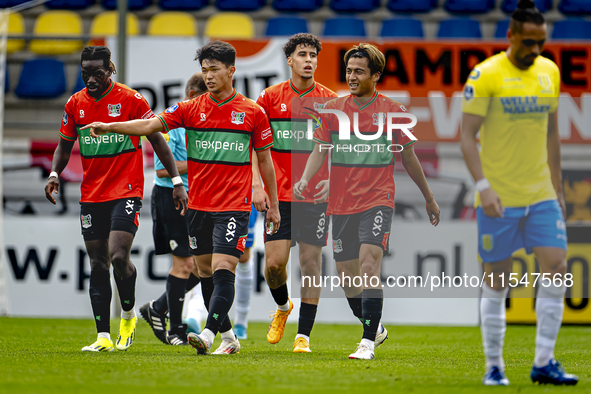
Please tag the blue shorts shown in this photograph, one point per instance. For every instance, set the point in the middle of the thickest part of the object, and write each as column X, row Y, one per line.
column 251, row 222
column 541, row 224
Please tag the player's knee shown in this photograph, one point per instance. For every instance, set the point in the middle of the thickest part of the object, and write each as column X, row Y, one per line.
column 99, row 265
column 274, row 268
column 310, row 267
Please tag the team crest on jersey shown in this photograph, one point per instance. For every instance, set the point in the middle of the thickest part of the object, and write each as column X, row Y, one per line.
column 376, row 117
column 114, row 109
column 545, row 83
column 238, row 117
column 487, row 242
column 86, row 221
column 192, row 242
column 318, row 120
column 468, row 92
column 337, row 246
column 65, row 118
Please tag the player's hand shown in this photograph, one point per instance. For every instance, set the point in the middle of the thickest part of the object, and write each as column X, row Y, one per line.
column 51, row 187
column 322, row 195
column 179, row 195
column 96, row 129
column 260, row 199
column 299, row 188
column 273, row 219
column 433, row 212
column 491, row 203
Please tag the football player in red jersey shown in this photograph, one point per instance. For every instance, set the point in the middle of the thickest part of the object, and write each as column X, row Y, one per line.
column 362, row 186
column 222, row 127
column 304, row 222
column 111, row 190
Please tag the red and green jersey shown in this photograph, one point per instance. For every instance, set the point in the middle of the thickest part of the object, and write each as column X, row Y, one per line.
column 220, row 136
column 291, row 147
column 112, row 163
column 362, row 171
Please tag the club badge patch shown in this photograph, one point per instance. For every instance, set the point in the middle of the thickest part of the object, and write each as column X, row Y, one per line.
column 238, row 117
column 86, row 221
column 114, row 109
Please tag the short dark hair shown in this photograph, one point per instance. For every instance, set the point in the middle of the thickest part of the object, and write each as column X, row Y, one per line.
column 217, row 50
column 526, row 11
column 195, row 83
column 306, row 39
column 98, row 53
column 376, row 59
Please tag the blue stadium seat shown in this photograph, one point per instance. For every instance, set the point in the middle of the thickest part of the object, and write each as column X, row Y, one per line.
column 286, row 26
column 239, row 5
column 11, row 3
column 575, row 7
column 572, row 29
column 509, row 6
column 344, row 27
column 502, row 27
column 132, row 4
column 6, row 81
column 469, row 6
column 402, row 27
column 69, row 4
column 182, row 5
column 79, row 84
column 459, row 28
column 297, row 5
column 354, row 5
column 41, row 79
column 411, row 6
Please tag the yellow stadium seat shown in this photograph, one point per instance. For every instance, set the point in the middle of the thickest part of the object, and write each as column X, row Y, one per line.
column 16, row 26
column 57, row 23
column 107, row 24
column 229, row 25
column 172, row 23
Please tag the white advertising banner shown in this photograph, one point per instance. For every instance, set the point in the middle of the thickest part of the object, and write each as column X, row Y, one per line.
column 47, row 271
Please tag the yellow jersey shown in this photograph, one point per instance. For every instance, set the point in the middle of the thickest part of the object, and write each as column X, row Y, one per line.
column 515, row 105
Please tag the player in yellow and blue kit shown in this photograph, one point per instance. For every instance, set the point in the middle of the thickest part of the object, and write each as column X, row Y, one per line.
column 511, row 99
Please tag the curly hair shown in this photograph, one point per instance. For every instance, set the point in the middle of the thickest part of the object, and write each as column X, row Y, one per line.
column 305, row 39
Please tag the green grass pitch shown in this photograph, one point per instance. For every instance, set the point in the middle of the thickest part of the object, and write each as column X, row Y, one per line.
column 43, row 356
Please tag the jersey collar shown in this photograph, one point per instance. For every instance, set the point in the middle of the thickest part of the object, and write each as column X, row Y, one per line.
column 301, row 94
column 219, row 103
column 363, row 106
column 106, row 92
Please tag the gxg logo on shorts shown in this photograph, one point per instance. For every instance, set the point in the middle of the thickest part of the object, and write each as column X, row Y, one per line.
column 129, row 206
column 231, row 229
column 337, row 246
column 377, row 224
column 321, row 224
column 487, row 242
column 86, row 221
column 192, row 242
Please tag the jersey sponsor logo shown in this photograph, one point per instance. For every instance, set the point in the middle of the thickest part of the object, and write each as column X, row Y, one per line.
column 266, row 134
column 487, row 241
column 523, row 105
column 468, row 92
column 202, row 117
column 283, row 107
column 475, row 74
column 230, row 229
column 337, row 245
column 377, row 224
column 114, row 109
column 129, row 206
column 321, row 226
column 148, row 115
column 238, row 117
column 86, row 221
column 192, row 242
column 171, row 109
column 65, row 118
column 81, row 113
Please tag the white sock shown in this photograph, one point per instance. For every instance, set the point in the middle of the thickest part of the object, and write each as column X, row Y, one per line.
column 493, row 325
column 196, row 307
column 549, row 310
column 228, row 335
column 209, row 336
column 104, row 335
column 307, row 338
column 244, row 286
column 128, row 315
column 285, row 307
column 370, row 344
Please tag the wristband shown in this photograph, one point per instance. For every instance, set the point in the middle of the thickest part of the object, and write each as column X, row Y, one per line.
column 482, row 185
column 177, row 181
column 52, row 174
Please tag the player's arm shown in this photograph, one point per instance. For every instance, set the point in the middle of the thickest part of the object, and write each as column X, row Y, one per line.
column 161, row 148
column 181, row 166
column 61, row 156
column 137, row 127
column 491, row 203
column 313, row 165
column 413, row 168
column 267, row 172
column 553, row 141
column 260, row 199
